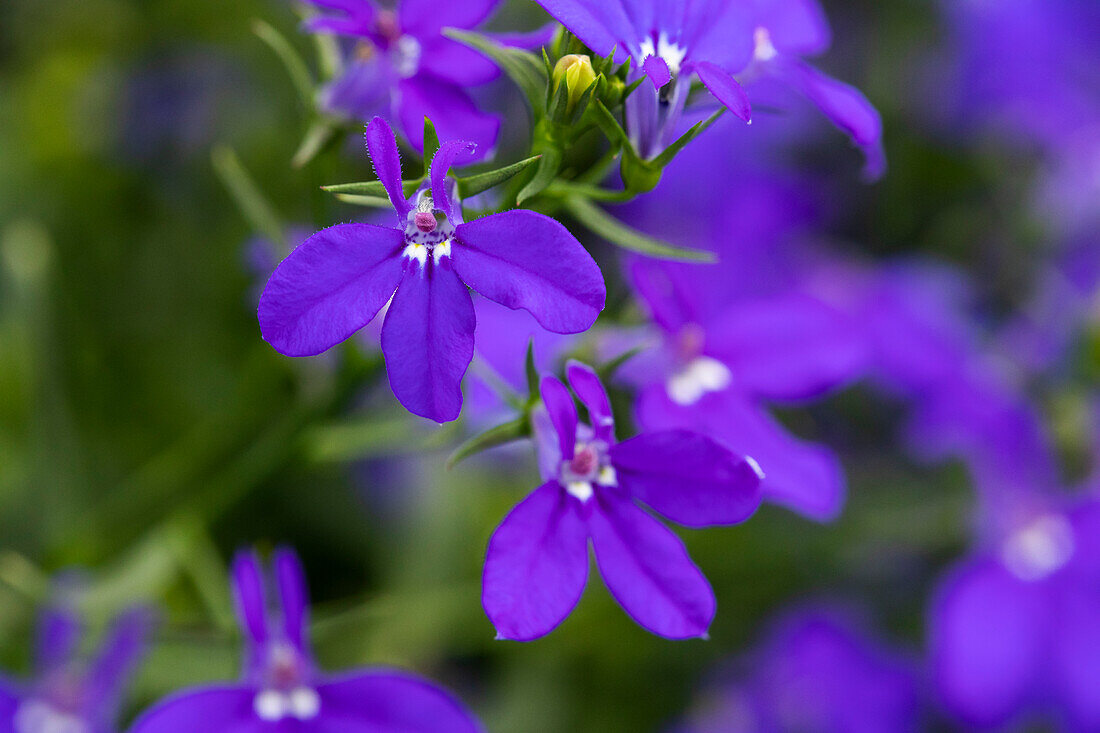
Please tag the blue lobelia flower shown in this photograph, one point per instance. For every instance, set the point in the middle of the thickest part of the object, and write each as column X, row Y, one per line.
column 283, row 692
column 537, row 562
column 335, row 282
column 68, row 696
column 403, row 66
column 716, row 40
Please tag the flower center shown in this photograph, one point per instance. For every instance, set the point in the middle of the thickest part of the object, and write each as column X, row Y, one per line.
column 589, row 465
column 39, row 716
column 701, row 376
column 428, row 231
column 1039, row 548
column 763, row 49
column 285, row 691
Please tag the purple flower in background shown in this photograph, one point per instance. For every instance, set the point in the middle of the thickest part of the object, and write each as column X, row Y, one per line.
column 68, row 696
column 402, row 66
column 340, row 278
column 536, row 566
column 818, row 671
column 714, row 40
column 282, row 689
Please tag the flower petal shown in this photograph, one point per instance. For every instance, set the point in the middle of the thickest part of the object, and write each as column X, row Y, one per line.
column 787, row 347
column 457, row 63
column 563, row 413
column 450, row 109
column 58, row 637
column 794, row 26
column 536, row 566
column 9, row 702
column 987, row 646
column 725, row 89
column 586, row 384
column 526, row 260
column 290, row 579
column 248, row 595
column 802, row 476
column 118, row 656
column 647, row 569
column 362, row 90
column 428, row 340
column 449, row 152
column 382, row 146
column 331, row 286
column 385, row 700
column 656, row 68
column 424, row 18
column 602, row 26
column 687, row 477
column 1077, row 657
column 224, row 709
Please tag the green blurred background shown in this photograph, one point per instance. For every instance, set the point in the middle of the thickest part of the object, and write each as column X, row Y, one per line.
column 146, row 431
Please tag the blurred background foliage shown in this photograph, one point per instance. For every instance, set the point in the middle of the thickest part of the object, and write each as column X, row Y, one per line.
column 146, row 431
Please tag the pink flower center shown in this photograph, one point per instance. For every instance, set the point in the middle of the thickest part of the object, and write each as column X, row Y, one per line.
column 386, row 25
column 425, row 221
column 584, row 461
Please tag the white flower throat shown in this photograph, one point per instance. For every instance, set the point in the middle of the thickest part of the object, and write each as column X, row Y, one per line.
column 427, row 232
column 671, row 53
column 285, row 693
column 589, row 467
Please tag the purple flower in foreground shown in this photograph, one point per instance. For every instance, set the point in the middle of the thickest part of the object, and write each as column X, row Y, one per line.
column 817, row 672
column 714, row 40
column 283, row 692
column 335, row 282
column 537, row 562
column 69, row 697
column 402, row 66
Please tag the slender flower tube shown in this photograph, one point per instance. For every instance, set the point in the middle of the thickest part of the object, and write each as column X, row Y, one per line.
column 284, row 692
column 537, row 562
column 335, row 282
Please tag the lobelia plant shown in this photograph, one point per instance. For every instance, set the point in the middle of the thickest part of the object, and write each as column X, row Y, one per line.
column 536, row 565
column 283, row 690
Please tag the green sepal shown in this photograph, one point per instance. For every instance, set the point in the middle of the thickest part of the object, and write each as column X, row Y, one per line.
column 431, row 145
column 547, row 171
column 373, row 188
column 475, row 184
column 532, row 373
column 603, row 224
column 502, row 434
column 523, row 68
column 681, row 142
column 608, row 369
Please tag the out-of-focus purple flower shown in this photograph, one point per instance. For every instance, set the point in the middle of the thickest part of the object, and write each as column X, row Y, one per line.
column 537, row 562
column 402, row 66
column 69, row 696
column 818, row 671
column 672, row 43
column 282, row 689
column 338, row 280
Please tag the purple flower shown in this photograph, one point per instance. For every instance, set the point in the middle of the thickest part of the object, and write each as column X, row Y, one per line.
column 283, row 691
column 403, row 66
column 68, row 696
column 335, row 282
column 820, row 671
column 714, row 40
column 537, row 562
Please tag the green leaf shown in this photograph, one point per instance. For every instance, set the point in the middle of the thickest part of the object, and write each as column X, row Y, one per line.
column 372, row 188
column 523, row 68
column 608, row 369
column 611, row 127
column 475, row 184
column 295, row 66
column 367, row 438
column 377, row 202
column 585, row 99
column 532, row 372
column 253, row 205
column 545, row 174
column 322, row 133
column 633, row 85
column 431, row 145
column 508, row 432
column 681, row 142
column 603, row 224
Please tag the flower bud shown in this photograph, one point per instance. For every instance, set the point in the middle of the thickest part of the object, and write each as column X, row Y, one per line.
column 577, row 73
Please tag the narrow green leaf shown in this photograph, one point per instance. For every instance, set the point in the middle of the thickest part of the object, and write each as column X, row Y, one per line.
column 376, row 202
column 633, row 85
column 611, row 127
column 431, row 145
column 532, row 373
column 371, row 188
column 681, row 142
column 608, row 369
column 559, row 103
column 584, row 100
column 253, row 205
column 545, row 174
column 508, row 432
column 295, row 66
column 322, row 133
column 603, row 224
column 523, row 68
column 475, row 184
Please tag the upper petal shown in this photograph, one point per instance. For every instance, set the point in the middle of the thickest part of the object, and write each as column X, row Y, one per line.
column 787, row 347
column 987, row 645
column 293, row 595
column 382, row 146
column 562, row 412
column 224, row 709
column 725, row 88
column 248, row 595
column 457, row 63
column 449, row 152
column 425, row 18
column 428, row 340
column 332, row 285
column 118, row 656
column 526, row 260
column 1077, row 656
column 601, row 25
column 647, row 569
column 687, row 477
column 57, row 638
column 390, row 700
column 450, row 109
column 536, row 566
column 586, row 384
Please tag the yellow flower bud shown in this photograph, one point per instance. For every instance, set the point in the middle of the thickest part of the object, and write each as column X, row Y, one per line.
column 577, row 73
